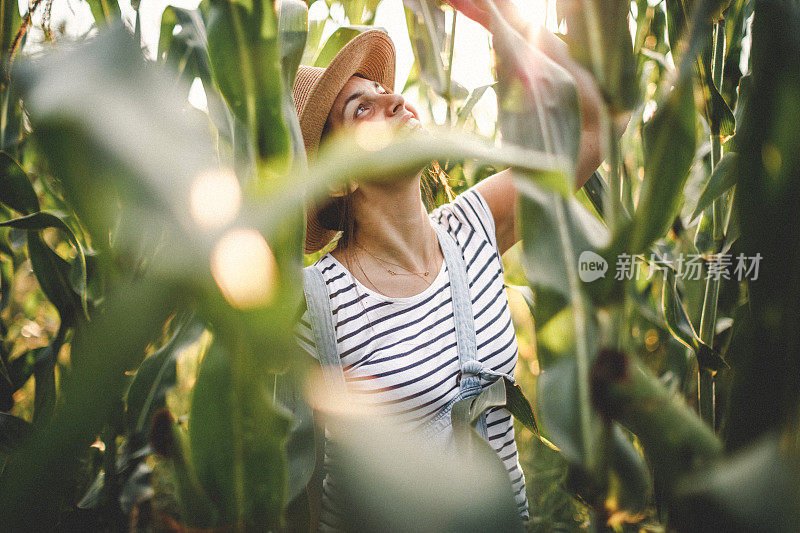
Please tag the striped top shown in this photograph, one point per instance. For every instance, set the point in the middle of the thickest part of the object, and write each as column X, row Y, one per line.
column 399, row 354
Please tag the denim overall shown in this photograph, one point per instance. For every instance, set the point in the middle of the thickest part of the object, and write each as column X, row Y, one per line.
column 471, row 369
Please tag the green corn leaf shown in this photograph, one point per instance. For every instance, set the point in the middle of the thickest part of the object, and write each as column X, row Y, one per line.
column 690, row 35
column 681, row 327
column 755, row 489
column 237, row 439
column 599, row 38
column 722, row 178
column 18, row 370
column 426, row 29
column 292, row 30
column 186, row 49
column 187, row 53
column 469, row 105
column 539, row 110
column 56, row 269
column 634, row 489
column 393, row 476
column 766, row 386
column 354, row 10
column 669, row 146
column 245, row 60
column 105, row 12
column 624, row 390
column 156, row 375
column 559, row 409
column 335, row 42
column 16, row 190
column 53, row 274
column 300, row 445
column 35, row 477
column 9, row 23
column 145, row 159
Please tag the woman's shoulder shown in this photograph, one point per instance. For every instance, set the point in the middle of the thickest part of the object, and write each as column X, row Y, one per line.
column 468, row 219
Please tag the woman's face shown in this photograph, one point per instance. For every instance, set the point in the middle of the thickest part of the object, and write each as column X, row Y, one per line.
column 364, row 101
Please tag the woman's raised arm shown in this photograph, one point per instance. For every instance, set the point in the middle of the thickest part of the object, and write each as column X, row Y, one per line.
column 549, row 52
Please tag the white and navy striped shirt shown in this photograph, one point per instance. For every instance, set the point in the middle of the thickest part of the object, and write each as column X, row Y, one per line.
column 399, row 354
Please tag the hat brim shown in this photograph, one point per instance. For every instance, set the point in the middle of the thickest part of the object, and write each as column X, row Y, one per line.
column 371, row 55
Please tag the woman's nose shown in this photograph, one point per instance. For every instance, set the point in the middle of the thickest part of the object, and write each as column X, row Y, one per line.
column 394, row 103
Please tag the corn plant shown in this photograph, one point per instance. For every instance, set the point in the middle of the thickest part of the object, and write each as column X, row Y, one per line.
column 154, row 230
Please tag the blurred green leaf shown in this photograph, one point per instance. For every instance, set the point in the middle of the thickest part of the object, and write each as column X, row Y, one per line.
column 37, row 478
column 426, row 29
column 172, row 440
column 539, row 110
column 559, row 410
column 393, row 480
column 674, row 438
column 315, row 27
column 354, row 10
column 599, row 37
column 245, row 59
column 13, row 432
column 16, row 190
column 292, row 31
column 754, row 490
column 112, row 129
column 555, row 232
column 766, row 386
column 9, row 23
column 344, row 159
column 236, row 439
column 634, row 489
column 300, row 445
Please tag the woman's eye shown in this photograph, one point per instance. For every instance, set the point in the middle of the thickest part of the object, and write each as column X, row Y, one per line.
column 359, row 109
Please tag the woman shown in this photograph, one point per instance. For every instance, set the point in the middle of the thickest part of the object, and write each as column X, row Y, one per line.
column 390, row 304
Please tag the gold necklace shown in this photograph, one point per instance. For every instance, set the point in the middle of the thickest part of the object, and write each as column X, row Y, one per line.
column 392, row 272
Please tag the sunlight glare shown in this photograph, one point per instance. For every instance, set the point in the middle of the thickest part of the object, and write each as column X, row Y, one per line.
column 538, row 13
column 215, row 198
column 244, row 268
column 373, row 136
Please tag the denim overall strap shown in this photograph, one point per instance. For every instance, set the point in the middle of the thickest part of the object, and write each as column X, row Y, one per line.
column 321, row 317
column 464, row 319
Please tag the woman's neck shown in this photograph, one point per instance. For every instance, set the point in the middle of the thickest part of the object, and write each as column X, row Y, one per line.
column 392, row 223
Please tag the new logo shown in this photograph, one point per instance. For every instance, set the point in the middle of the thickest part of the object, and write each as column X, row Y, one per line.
column 591, row 266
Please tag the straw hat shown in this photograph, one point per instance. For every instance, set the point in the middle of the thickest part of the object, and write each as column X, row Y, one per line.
column 371, row 55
